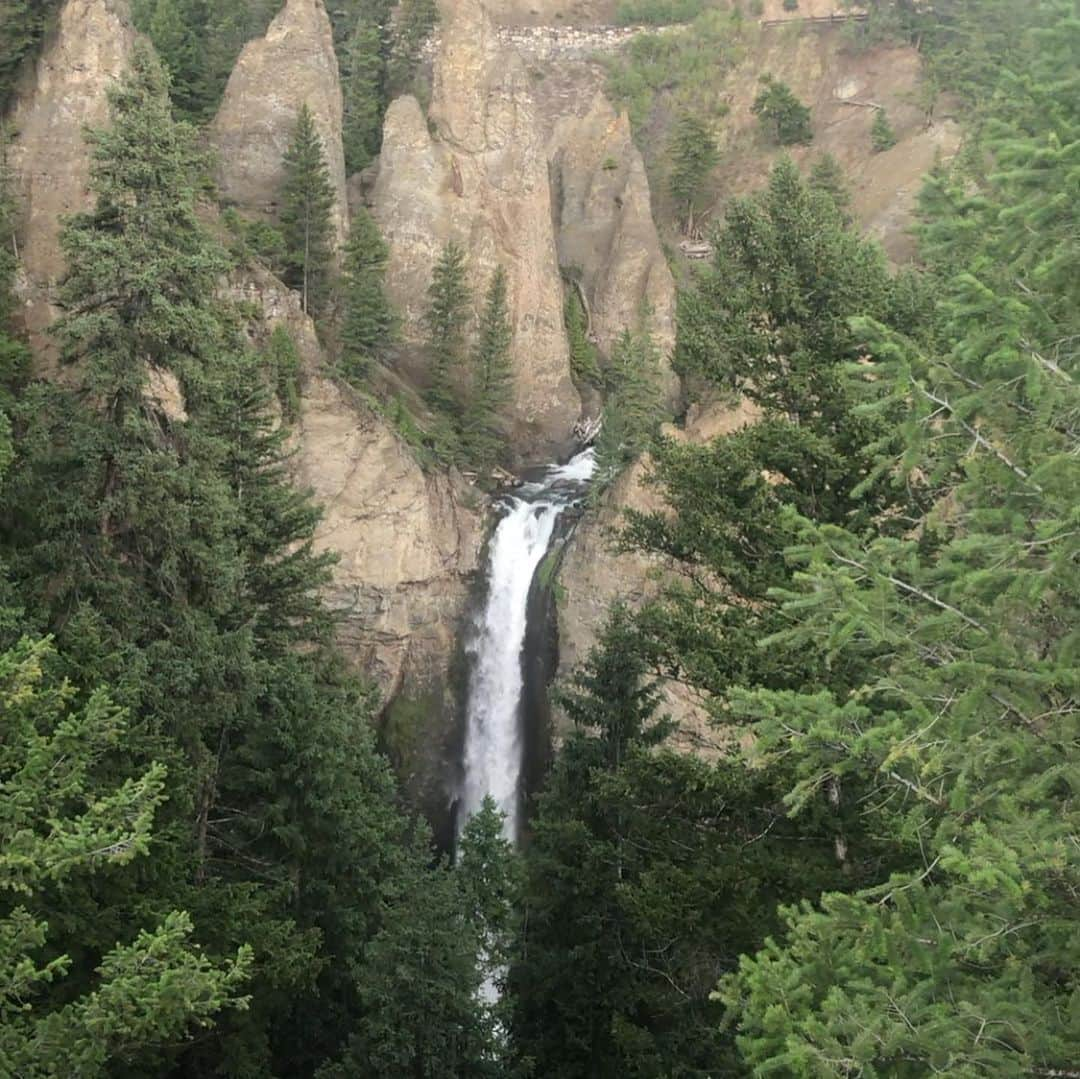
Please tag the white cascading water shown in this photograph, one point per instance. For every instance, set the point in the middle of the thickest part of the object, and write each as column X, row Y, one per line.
column 494, row 743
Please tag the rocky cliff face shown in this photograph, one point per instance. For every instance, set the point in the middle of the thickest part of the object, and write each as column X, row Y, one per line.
column 523, row 161
column 408, row 545
column 607, row 237
column 64, row 94
column 478, row 175
column 275, row 75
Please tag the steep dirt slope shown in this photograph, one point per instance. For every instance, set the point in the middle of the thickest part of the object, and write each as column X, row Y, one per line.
column 841, row 87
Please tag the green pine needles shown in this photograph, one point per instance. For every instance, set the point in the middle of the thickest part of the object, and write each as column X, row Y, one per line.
column 369, row 325
column 693, row 155
column 307, row 204
column 470, row 386
column 447, row 321
column 882, row 136
column 492, row 378
column 782, row 115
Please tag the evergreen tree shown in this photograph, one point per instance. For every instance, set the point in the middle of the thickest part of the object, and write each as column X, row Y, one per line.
column 827, row 176
column 492, row 377
column 415, row 21
column 14, row 359
column 57, row 822
column 171, row 557
column 771, row 320
column 584, row 365
column 370, row 324
column 307, row 202
column 882, row 136
column 447, row 321
column 781, row 113
column 693, row 155
column 649, row 872
column 283, row 361
column 363, row 95
column 420, row 984
column 632, row 411
column 489, row 873
column 174, row 27
column 22, row 25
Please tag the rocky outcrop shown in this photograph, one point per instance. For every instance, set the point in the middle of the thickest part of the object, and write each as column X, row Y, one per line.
column 407, row 541
column 594, row 575
column 477, row 173
column 292, row 65
column 408, row 544
column 66, row 93
column 607, row 237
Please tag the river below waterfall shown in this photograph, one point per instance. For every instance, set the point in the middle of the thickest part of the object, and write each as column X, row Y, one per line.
column 495, row 739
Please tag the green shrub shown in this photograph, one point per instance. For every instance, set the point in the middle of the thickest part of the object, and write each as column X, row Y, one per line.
column 657, row 12
column 882, row 136
column 781, row 113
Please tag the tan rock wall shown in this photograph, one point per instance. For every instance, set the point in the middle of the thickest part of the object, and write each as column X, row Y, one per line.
column 607, row 237
column 479, row 175
column 293, row 64
column 65, row 93
column 408, row 542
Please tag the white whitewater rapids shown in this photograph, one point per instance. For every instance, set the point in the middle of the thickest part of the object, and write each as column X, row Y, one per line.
column 494, row 742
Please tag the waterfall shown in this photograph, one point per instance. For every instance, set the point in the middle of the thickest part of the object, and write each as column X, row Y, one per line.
column 494, row 739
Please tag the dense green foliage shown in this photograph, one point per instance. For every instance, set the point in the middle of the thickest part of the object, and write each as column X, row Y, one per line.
column 782, row 114
column 492, row 378
column 880, row 585
column 657, row 12
column 632, row 409
column 369, row 323
column 23, row 24
column 677, row 70
column 447, row 322
column 57, row 821
column 874, row 591
column 471, row 376
column 198, row 42
column 166, row 552
column 307, row 202
column 693, row 154
column 882, row 136
column 584, row 360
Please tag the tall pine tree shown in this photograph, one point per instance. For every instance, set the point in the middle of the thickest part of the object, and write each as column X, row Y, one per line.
column 307, row 203
column 447, row 321
column 369, row 322
column 491, row 385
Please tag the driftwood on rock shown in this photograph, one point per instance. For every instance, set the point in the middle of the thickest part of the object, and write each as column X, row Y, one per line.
column 587, row 430
column 696, row 249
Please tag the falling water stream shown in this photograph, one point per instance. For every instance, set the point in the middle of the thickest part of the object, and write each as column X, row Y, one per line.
column 494, row 735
